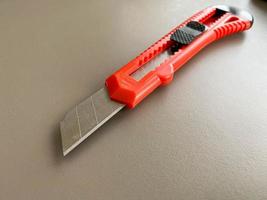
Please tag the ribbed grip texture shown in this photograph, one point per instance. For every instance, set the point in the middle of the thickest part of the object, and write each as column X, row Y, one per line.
column 165, row 42
column 230, row 28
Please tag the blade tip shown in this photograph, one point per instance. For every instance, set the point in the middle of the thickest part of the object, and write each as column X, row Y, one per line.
column 65, row 153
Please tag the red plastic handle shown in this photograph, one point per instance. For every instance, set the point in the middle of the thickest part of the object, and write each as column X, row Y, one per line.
column 125, row 89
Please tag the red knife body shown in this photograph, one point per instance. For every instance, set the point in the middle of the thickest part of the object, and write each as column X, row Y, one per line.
column 218, row 22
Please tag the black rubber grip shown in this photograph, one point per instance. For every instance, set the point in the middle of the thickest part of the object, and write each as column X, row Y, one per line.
column 188, row 33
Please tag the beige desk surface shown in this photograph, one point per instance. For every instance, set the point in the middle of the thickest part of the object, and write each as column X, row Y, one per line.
column 202, row 137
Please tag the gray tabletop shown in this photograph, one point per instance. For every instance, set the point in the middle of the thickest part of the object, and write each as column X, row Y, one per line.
column 202, row 137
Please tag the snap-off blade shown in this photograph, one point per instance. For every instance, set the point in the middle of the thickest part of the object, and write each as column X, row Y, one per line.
column 85, row 118
column 93, row 112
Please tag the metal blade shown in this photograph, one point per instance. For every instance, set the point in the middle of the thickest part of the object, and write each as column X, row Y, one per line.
column 85, row 118
column 151, row 65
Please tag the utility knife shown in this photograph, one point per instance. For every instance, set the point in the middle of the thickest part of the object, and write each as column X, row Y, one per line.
column 155, row 67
